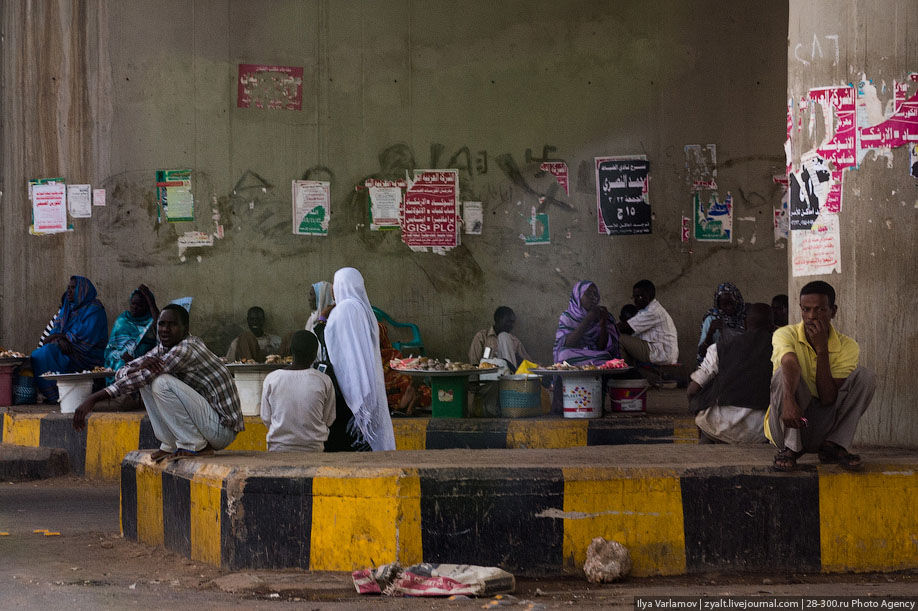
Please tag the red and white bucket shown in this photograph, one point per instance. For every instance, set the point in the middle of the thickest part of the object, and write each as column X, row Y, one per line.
column 582, row 397
column 628, row 395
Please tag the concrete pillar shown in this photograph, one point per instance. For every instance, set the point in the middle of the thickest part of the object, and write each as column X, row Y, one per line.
column 832, row 43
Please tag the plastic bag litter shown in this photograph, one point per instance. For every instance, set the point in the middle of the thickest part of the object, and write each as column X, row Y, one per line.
column 428, row 579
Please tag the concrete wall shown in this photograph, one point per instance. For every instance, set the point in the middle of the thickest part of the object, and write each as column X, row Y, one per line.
column 109, row 92
column 876, row 287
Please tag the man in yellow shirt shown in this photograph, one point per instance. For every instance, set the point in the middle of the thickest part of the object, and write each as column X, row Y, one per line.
column 818, row 392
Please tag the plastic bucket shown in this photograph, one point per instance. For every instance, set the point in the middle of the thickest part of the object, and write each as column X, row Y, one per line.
column 449, row 397
column 6, row 385
column 520, row 396
column 72, row 394
column 249, row 384
column 628, row 395
column 582, row 397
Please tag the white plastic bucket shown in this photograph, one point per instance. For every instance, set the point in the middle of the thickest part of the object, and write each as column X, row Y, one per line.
column 250, row 384
column 628, row 395
column 72, row 394
column 582, row 397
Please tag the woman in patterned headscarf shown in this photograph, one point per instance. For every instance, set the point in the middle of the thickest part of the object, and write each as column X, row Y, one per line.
column 586, row 333
column 77, row 337
column 727, row 316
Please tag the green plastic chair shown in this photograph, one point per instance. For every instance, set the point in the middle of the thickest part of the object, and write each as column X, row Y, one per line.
column 413, row 346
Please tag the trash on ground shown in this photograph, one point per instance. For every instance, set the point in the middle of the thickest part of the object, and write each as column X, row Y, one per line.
column 606, row 561
column 428, row 579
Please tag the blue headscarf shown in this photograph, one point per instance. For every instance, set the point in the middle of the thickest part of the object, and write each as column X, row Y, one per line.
column 84, row 323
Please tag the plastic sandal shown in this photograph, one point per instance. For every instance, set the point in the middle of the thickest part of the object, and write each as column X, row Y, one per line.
column 786, row 460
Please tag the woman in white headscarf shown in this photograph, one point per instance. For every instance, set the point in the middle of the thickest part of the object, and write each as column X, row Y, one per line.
column 352, row 336
column 320, row 297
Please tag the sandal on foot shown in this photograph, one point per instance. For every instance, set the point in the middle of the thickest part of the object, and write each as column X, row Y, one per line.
column 183, row 453
column 786, row 460
column 833, row 454
column 160, row 455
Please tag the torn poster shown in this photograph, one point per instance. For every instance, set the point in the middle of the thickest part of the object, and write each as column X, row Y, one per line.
column 817, row 251
column 559, row 170
column 539, row 232
column 622, row 202
column 275, row 87
column 899, row 129
column 431, row 210
column 713, row 219
column 98, row 197
column 701, row 166
column 311, row 207
column 49, row 208
column 173, row 192
column 782, row 217
column 839, row 145
column 913, row 160
column 789, row 143
column 472, row 217
column 79, row 201
column 385, row 204
column 815, row 188
column 686, row 229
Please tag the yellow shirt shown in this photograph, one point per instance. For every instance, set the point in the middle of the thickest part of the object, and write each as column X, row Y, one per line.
column 843, row 356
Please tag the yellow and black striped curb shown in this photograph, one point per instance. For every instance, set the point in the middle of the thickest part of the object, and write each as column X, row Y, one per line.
column 532, row 521
column 97, row 450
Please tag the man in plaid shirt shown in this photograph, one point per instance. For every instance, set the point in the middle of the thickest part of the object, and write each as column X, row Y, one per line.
column 189, row 394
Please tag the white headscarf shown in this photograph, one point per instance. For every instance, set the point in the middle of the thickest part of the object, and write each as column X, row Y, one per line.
column 323, row 300
column 352, row 336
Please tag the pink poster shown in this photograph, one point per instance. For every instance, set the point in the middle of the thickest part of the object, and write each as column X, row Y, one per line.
column 840, row 143
column 901, row 128
column 276, row 87
column 431, row 210
column 559, row 170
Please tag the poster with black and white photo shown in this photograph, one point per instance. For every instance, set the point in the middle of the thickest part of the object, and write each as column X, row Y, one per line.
column 623, row 207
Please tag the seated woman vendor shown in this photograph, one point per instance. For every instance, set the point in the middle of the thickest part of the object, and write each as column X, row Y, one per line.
column 78, row 334
column 133, row 333
column 586, row 333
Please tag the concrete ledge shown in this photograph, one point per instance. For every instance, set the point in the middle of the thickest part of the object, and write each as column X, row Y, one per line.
column 23, row 463
column 680, row 509
column 97, row 451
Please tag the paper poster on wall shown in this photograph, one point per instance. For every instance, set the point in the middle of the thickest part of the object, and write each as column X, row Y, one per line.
column 817, row 250
column 899, row 129
column 913, row 160
column 813, row 189
column 472, row 217
column 173, row 191
column 701, row 166
column 98, row 197
column 839, row 145
column 49, row 208
column 385, row 204
column 431, row 210
column 79, row 201
column 559, row 170
column 622, row 201
column 713, row 218
column 538, row 230
column 274, row 87
column 311, row 207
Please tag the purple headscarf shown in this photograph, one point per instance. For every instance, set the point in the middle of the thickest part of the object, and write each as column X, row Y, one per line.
column 569, row 322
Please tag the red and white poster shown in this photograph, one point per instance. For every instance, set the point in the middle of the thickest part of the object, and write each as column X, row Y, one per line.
column 686, row 229
column 431, row 210
column 817, row 251
column 49, row 208
column 275, row 87
column 838, row 112
column 901, row 128
column 559, row 170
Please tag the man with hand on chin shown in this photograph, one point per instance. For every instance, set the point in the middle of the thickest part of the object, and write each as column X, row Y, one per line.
column 188, row 392
column 818, row 392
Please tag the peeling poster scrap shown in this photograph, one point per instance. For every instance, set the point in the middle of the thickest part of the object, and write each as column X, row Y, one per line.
column 539, row 231
column 98, row 197
column 472, row 217
column 782, row 218
column 431, row 210
column 559, row 170
column 701, row 166
column 274, row 87
column 713, row 219
column 79, row 201
column 311, row 201
column 622, row 202
column 818, row 250
column 899, row 129
column 838, row 113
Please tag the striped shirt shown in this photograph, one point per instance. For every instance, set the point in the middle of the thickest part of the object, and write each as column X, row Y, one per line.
column 655, row 326
column 191, row 362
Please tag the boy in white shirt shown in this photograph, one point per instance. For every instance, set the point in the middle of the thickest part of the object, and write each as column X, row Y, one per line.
column 298, row 402
column 650, row 335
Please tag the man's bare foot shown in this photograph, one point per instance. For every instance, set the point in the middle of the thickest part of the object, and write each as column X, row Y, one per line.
column 160, row 455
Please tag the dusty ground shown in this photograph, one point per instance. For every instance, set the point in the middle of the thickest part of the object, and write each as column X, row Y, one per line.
column 89, row 566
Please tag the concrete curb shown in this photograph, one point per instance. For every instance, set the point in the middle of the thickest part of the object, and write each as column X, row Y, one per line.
column 22, row 463
column 97, row 451
column 534, row 519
